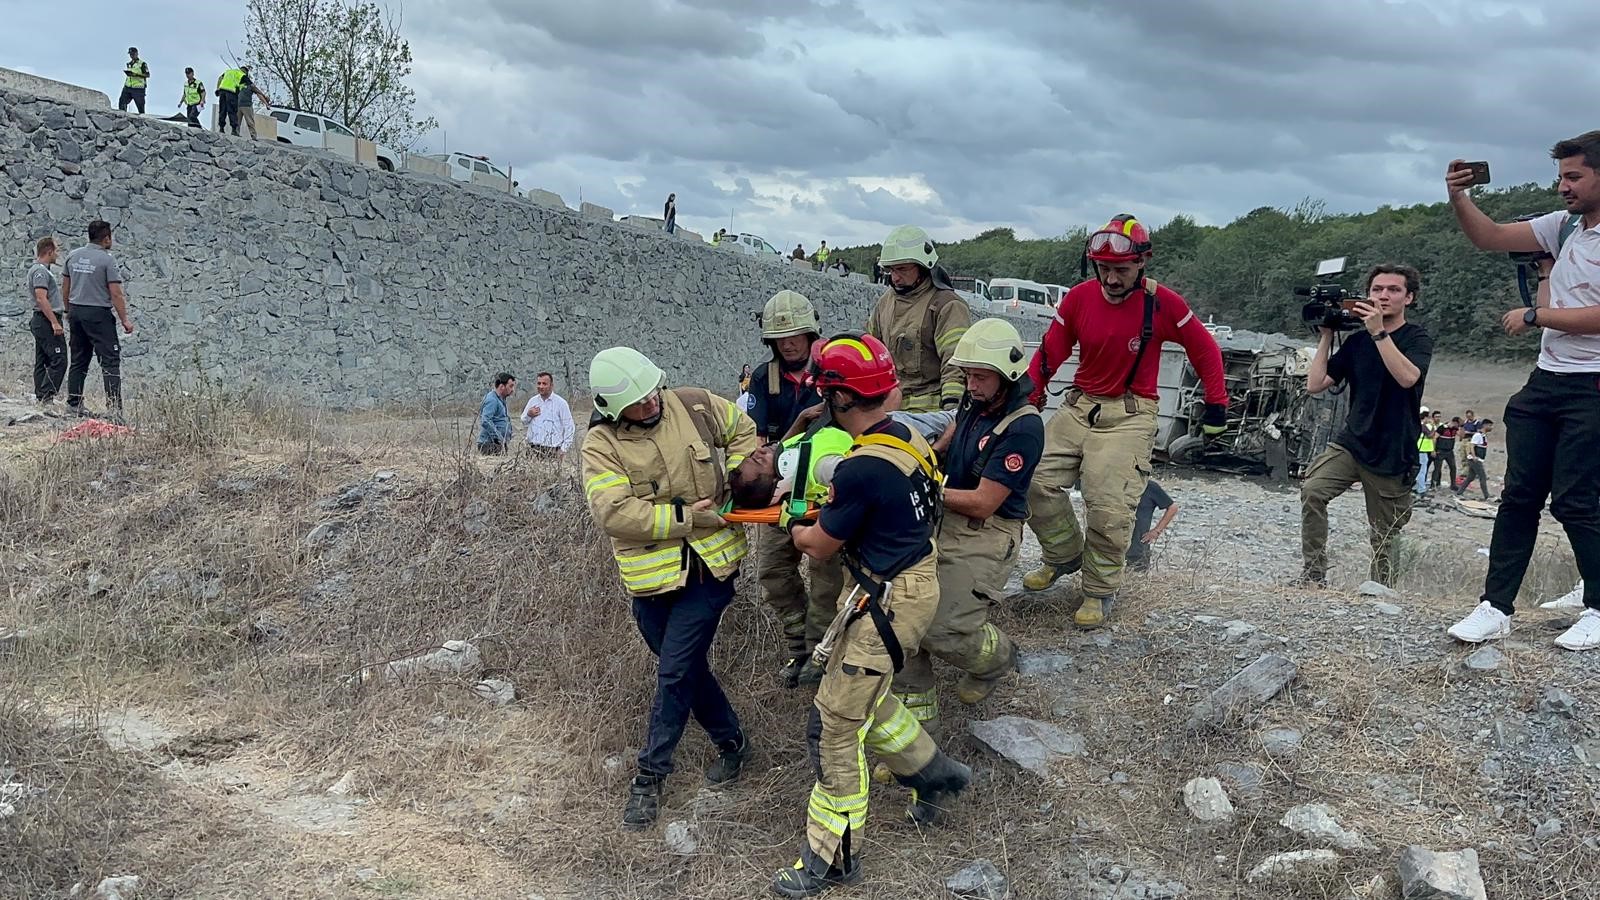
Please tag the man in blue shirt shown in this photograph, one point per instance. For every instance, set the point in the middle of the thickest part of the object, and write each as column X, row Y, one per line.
column 494, row 422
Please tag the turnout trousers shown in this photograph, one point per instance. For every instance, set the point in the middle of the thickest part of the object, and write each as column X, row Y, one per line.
column 855, row 712
column 975, row 562
column 1098, row 440
column 800, row 608
column 1388, row 510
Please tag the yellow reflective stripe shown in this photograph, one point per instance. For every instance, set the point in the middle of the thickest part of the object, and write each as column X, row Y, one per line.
column 650, row 582
column 663, row 521
column 898, row 732
column 642, row 561
column 602, row 481
column 950, row 338
column 723, row 548
column 732, row 428
column 733, row 462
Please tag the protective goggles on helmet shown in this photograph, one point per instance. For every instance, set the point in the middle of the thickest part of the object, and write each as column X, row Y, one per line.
column 1112, row 242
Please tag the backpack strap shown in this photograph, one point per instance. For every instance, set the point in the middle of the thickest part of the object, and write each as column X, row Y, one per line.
column 1568, row 229
column 982, row 462
column 903, row 454
column 1147, row 332
column 697, row 401
column 774, row 378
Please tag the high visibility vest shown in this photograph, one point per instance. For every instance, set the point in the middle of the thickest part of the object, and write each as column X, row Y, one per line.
column 828, row 446
column 193, row 92
column 143, row 70
column 230, row 80
column 642, row 483
column 822, row 254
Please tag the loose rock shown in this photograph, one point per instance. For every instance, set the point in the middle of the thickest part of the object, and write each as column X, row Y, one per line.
column 1281, row 743
column 495, row 691
column 1207, row 801
column 1319, row 824
column 1043, row 663
column 1294, row 866
column 1547, row 829
column 1388, row 609
column 1028, row 743
column 1254, row 685
column 683, row 838
column 979, row 881
column 1374, row 589
column 1484, row 659
column 1558, row 702
column 1445, row 876
column 453, row 658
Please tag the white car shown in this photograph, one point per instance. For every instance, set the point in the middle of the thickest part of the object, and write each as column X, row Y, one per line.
column 308, row 129
column 751, row 245
column 463, row 165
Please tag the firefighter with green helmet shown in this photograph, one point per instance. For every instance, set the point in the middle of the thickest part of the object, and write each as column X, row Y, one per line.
column 995, row 443
column 920, row 319
column 655, row 476
column 779, row 392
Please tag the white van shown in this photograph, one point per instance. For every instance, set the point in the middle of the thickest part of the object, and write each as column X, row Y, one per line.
column 1018, row 296
column 464, row 165
column 750, row 245
column 309, row 129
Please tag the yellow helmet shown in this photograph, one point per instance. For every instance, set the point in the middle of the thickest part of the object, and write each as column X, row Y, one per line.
column 992, row 344
column 908, row 243
column 788, row 313
column 620, row 377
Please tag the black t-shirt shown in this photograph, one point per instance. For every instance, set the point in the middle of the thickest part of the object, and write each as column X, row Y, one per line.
column 775, row 413
column 872, row 510
column 1383, row 423
column 1011, row 461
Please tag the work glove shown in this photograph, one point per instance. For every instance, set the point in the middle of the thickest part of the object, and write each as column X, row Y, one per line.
column 788, row 520
column 1215, row 420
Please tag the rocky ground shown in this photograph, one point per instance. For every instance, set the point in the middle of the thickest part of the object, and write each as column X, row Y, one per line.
column 234, row 678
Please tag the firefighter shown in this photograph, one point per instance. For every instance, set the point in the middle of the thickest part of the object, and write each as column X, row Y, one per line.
column 1106, row 425
column 881, row 517
column 920, row 319
column 995, row 444
column 780, row 391
column 654, row 485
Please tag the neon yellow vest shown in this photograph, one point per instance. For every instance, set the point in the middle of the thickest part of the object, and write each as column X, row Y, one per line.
column 828, row 446
column 230, row 80
column 191, row 93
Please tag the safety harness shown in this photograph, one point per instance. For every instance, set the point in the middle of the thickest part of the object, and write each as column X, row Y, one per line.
column 1147, row 331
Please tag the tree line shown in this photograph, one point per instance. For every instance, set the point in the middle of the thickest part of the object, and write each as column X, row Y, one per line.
column 1244, row 273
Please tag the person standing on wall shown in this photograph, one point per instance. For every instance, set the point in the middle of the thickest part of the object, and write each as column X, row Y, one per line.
column 920, row 319
column 669, row 213
column 49, row 343
column 246, row 98
column 92, row 285
column 136, row 74
column 655, row 478
column 228, row 100
column 548, row 420
column 1553, row 424
column 194, row 97
column 822, row 256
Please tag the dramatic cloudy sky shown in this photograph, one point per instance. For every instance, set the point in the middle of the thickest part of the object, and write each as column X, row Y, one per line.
column 838, row 119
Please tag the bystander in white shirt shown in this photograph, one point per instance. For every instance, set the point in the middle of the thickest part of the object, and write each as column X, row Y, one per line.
column 548, row 419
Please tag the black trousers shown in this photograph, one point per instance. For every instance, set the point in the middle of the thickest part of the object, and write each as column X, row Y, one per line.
column 1475, row 473
column 679, row 627
column 49, row 357
column 92, row 332
column 1552, row 430
column 1445, row 457
column 194, row 116
column 134, row 94
column 227, row 111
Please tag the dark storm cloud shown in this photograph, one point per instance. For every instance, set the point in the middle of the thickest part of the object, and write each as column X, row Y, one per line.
column 836, row 118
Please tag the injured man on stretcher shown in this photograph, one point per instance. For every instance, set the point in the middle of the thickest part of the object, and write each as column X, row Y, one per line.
column 765, row 480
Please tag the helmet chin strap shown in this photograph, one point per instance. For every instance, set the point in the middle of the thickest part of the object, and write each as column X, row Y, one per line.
column 1121, row 294
column 902, row 291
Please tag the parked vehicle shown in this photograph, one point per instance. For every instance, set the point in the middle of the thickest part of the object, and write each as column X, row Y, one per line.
column 309, row 129
column 750, row 245
column 1019, row 296
column 973, row 290
column 464, row 165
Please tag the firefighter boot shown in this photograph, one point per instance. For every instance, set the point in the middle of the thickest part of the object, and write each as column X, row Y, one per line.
column 1092, row 614
column 1049, row 573
column 935, row 787
column 730, row 760
column 974, row 689
column 810, row 673
column 644, row 802
column 810, row 876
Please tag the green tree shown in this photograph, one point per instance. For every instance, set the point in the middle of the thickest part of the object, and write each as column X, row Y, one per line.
column 344, row 60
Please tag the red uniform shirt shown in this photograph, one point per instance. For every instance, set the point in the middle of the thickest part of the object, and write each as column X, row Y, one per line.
column 1107, row 337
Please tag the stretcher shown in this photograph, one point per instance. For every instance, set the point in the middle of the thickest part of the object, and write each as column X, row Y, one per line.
column 767, row 515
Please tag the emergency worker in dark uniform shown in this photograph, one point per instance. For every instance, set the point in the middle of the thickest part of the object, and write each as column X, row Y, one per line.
column 996, row 441
column 881, row 517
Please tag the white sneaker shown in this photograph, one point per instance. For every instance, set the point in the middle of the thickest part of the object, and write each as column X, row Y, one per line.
column 1485, row 623
column 1572, row 599
column 1584, row 635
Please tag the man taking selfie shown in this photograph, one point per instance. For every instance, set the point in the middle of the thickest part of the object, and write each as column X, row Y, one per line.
column 1552, row 425
column 1384, row 363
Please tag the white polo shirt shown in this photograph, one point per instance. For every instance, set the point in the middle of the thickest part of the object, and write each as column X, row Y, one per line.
column 1574, row 284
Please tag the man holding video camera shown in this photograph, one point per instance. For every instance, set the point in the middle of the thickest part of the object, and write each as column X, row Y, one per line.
column 1383, row 364
column 1552, row 425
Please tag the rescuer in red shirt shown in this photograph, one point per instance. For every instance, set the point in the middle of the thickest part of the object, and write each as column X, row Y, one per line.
column 1107, row 421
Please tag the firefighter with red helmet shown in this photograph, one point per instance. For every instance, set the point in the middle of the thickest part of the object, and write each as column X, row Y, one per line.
column 881, row 516
column 1106, row 425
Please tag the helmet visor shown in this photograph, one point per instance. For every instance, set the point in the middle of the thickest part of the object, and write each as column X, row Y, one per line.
column 1111, row 242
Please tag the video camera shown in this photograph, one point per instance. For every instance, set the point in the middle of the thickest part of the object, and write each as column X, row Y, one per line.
column 1330, row 306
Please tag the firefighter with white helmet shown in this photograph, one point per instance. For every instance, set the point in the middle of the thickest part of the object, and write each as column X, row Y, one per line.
column 995, row 444
column 920, row 319
column 655, row 477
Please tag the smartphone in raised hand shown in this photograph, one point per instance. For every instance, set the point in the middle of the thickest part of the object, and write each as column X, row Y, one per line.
column 1480, row 172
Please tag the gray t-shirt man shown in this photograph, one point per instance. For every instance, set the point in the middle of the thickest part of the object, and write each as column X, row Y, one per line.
column 92, row 271
column 40, row 276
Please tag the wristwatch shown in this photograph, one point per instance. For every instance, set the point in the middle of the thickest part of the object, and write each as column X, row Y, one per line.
column 1531, row 317
column 1380, row 336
